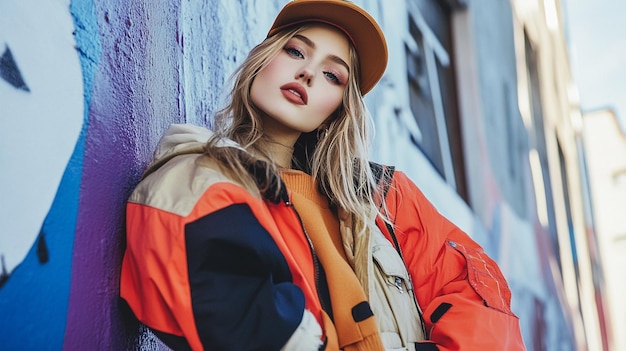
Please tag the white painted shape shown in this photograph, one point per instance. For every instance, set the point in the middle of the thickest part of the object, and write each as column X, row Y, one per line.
column 38, row 129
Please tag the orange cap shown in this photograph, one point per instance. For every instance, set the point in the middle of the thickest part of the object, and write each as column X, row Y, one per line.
column 358, row 25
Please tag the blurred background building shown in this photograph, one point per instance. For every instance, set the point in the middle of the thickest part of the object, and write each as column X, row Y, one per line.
column 478, row 106
column 604, row 145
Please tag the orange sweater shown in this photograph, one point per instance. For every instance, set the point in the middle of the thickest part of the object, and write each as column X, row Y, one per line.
column 322, row 226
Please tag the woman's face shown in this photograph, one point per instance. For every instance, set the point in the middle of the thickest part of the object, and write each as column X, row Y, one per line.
column 303, row 84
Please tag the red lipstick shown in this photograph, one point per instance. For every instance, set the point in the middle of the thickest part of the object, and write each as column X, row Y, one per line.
column 295, row 93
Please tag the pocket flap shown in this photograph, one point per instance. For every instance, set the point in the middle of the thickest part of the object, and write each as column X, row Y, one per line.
column 485, row 277
column 389, row 261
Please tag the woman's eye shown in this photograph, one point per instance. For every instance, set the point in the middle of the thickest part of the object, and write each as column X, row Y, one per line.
column 333, row 77
column 294, row 52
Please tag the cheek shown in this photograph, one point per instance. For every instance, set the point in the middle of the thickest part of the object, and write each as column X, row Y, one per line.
column 264, row 82
column 330, row 101
column 275, row 68
column 267, row 75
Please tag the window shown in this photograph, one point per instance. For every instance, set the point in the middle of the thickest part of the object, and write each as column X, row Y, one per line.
column 432, row 90
column 538, row 144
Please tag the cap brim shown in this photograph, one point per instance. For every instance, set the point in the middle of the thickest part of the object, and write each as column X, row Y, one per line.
column 359, row 26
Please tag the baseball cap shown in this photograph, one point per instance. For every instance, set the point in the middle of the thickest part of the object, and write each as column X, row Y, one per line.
column 359, row 26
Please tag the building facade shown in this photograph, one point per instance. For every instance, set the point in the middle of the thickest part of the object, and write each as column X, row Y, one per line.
column 604, row 144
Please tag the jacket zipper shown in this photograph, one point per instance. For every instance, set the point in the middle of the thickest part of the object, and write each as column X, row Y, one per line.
column 316, row 262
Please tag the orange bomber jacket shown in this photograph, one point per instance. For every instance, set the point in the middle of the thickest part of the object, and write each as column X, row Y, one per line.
column 209, row 265
column 465, row 299
column 204, row 285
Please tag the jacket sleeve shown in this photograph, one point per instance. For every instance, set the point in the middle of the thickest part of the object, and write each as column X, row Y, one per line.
column 223, row 285
column 464, row 296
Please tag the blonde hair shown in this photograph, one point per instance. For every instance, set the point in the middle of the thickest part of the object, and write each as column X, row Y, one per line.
column 338, row 159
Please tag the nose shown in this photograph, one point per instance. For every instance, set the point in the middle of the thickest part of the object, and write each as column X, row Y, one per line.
column 305, row 74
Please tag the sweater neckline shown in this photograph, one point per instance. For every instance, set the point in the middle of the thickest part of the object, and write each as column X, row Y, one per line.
column 304, row 185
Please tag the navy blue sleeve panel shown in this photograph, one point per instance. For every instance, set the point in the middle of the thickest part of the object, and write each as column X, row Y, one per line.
column 242, row 293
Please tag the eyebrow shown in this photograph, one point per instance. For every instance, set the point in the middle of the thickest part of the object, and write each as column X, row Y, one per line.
column 311, row 44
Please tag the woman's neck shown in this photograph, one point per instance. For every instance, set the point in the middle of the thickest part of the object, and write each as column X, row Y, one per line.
column 280, row 142
column 280, row 153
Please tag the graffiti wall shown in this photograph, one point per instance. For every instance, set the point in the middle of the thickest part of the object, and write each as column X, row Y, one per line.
column 44, row 94
column 86, row 89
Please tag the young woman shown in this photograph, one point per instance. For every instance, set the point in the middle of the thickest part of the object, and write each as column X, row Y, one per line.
column 271, row 232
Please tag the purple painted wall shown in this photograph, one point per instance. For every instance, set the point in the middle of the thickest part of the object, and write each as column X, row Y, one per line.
column 145, row 65
column 115, row 154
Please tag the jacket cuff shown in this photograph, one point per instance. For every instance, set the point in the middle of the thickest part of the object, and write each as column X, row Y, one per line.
column 426, row 346
column 307, row 337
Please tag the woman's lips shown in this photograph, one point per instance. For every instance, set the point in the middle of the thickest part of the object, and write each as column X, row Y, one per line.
column 295, row 93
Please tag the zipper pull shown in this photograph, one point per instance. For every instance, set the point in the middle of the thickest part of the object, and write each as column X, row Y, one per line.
column 398, row 283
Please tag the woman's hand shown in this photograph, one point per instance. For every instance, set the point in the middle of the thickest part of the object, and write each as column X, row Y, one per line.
column 307, row 337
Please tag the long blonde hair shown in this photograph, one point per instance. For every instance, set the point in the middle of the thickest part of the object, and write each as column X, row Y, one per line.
column 336, row 157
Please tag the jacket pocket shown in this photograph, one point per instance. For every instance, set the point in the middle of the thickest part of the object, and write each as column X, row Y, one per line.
column 392, row 297
column 485, row 277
